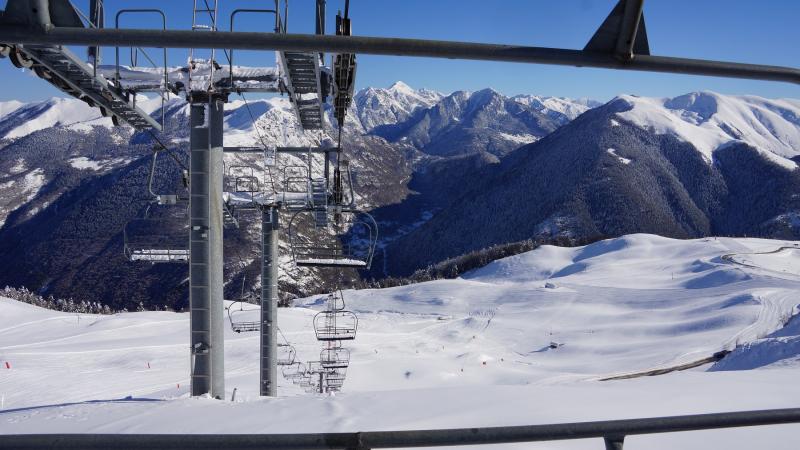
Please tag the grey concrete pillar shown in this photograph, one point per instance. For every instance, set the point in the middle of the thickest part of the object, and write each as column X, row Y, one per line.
column 205, row 250
column 269, row 302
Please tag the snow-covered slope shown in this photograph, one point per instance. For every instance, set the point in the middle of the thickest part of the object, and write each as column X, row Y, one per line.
column 18, row 120
column 473, row 351
column 710, row 121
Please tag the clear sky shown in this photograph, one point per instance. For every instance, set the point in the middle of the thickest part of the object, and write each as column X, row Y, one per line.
column 765, row 32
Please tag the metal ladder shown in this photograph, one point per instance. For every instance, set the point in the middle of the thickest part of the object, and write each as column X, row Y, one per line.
column 204, row 18
column 80, row 81
column 302, row 78
column 319, row 199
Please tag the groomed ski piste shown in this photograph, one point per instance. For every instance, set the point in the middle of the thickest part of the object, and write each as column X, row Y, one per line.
column 524, row 340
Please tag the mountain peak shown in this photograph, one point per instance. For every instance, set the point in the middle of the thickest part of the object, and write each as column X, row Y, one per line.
column 399, row 86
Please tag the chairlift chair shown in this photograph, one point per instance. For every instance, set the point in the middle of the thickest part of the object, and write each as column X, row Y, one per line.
column 338, row 374
column 162, row 234
column 286, row 354
column 335, row 358
column 294, row 370
column 314, row 367
column 347, row 242
column 156, row 240
column 335, row 325
column 241, row 185
column 240, row 326
column 297, row 191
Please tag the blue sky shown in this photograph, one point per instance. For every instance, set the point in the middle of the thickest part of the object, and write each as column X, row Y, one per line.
column 736, row 30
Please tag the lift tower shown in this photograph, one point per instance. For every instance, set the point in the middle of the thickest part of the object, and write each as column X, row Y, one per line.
column 205, row 212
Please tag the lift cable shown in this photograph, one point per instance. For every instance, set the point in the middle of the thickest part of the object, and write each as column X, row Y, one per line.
column 260, row 138
column 169, row 151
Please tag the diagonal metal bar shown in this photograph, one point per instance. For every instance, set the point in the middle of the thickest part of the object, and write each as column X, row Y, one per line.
column 392, row 46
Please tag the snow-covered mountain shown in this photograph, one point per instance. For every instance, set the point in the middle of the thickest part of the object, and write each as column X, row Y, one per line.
column 427, row 163
column 540, row 328
column 711, row 121
column 697, row 165
column 375, row 106
column 465, row 123
column 560, row 109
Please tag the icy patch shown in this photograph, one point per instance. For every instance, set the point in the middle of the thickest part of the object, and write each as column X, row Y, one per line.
column 614, row 123
column 621, row 159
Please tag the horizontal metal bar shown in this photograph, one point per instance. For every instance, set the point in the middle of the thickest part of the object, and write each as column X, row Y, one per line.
column 390, row 46
column 243, row 149
column 306, row 149
column 615, row 429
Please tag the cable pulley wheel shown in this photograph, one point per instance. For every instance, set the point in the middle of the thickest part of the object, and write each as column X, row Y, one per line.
column 19, row 60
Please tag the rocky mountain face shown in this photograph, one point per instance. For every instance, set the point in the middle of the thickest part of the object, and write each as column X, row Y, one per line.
column 442, row 174
column 697, row 165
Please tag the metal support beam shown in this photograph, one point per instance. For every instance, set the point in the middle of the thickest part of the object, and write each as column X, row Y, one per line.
column 205, row 249
column 612, row 430
column 306, row 149
column 629, row 28
column 392, row 46
column 268, row 354
column 614, row 442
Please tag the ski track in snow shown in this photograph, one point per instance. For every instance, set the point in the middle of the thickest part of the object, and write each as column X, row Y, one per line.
column 617, row 306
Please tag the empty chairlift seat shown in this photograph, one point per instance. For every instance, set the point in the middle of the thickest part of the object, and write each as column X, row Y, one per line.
column 239, row 325
column 335, row 358
column 335, row 325
column 157, row 240
column 347, row 241
column 294, row 371
column 286, row 355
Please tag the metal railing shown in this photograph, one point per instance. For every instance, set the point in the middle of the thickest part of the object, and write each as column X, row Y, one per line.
column 613, row 433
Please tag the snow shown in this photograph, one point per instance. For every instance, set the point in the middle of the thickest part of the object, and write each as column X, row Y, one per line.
column 8, row 107
column 521, row 138
column 557, row 106
column 473, row 351
column 83, row 162
column 101, row 165
column 18, row 167
column 376, row 107
column 613, row 152
column 32, row 117
column 32, row 182
column 710, row 121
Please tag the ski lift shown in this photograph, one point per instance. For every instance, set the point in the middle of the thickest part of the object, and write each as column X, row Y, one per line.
column 286, row 355
column 348, row 241
column 296, row 187
column 240, row 178
column 162, row 234
column 334, row 384
column 335, row 301
column 240, row 326
column 334, row 375
column 335, row 358
column 335, row 325
column 294, row 370
column 157, row 240
column 314, row 367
